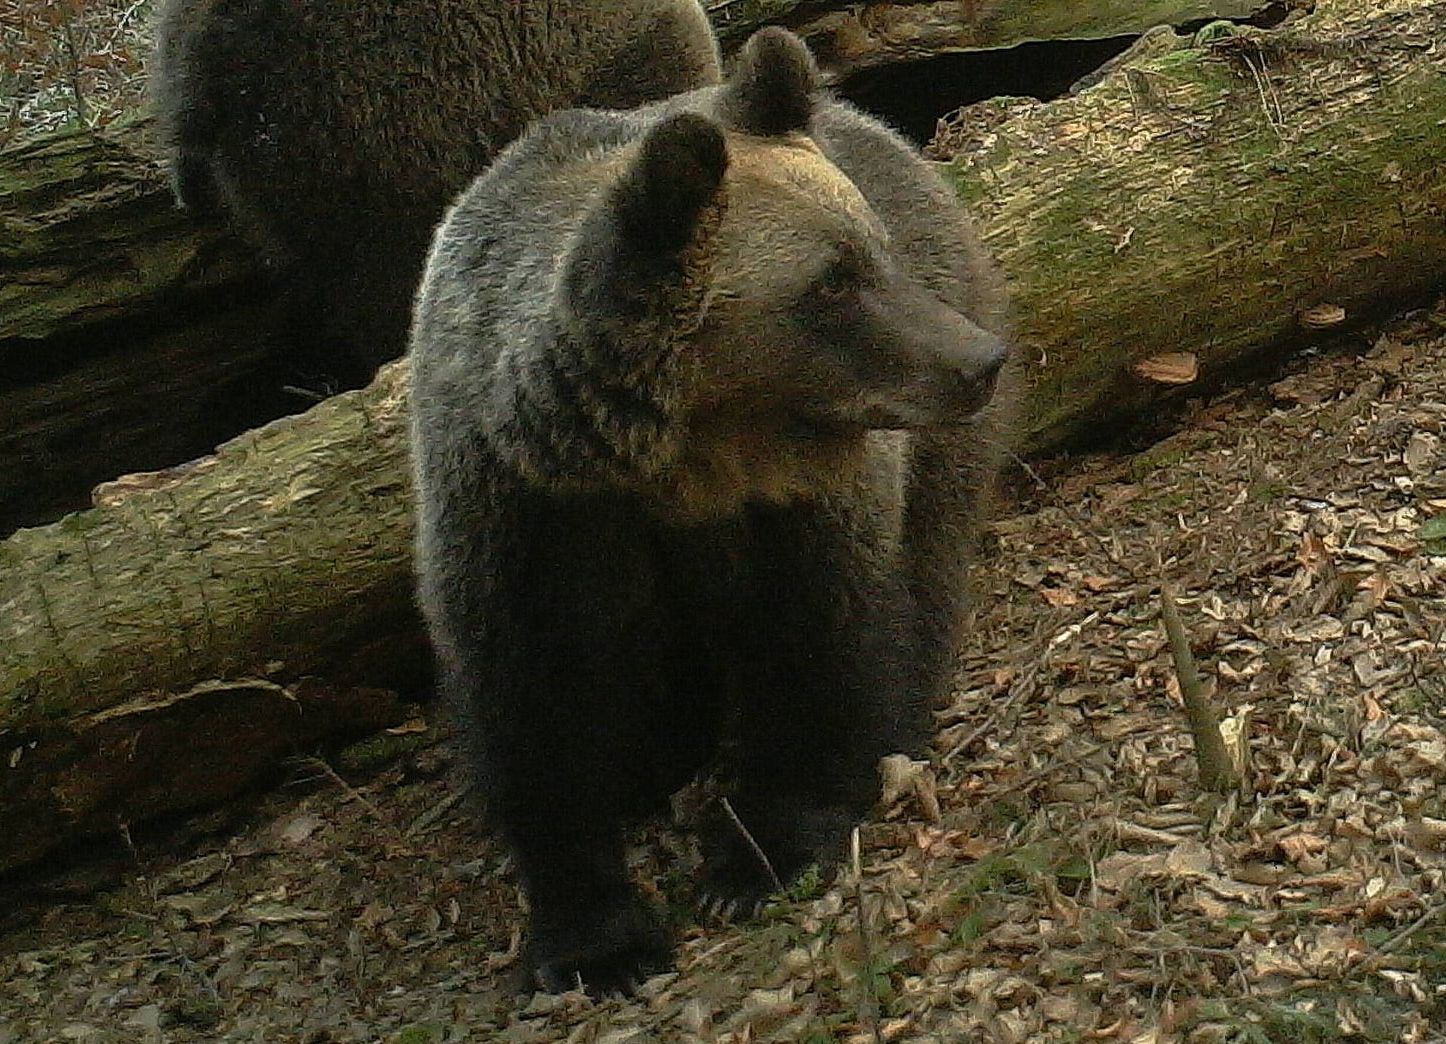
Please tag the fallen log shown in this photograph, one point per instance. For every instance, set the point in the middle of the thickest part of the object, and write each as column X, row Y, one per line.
column 1213, row 200
column 851, row 37
column 281, row 558
column 129, row 334
column 132, row 337
column 1202, row 202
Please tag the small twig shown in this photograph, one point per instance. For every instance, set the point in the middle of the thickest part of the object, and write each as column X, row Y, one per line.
column 1398, row 940
column 761, row 855
column 1107, row 545
column 868, row 995
column 139, row 915
column 1260, row 76
column 435, row 813
column 310, row 394
column 82, row 110
column 1054, row 766
column 177, row 952
column 1200, row 951
column 328, row 773
column 996, row 712
column 124, row 22
column 124, row 958
column 1216, row 771
column 124, row 829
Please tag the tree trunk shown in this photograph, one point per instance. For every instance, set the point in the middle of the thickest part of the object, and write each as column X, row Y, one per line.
column 1198, row 201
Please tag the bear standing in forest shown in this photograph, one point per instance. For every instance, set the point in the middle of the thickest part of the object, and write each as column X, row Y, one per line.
column 335, row 132
column 700, row 426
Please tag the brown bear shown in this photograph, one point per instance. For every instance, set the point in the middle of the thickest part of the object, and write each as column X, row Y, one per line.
column 701, row 415
column 335, row 132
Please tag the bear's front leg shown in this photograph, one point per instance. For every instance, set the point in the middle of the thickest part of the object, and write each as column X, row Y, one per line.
column 828, row 686
column 558, row 635
column 589, row 927
column 565, row 780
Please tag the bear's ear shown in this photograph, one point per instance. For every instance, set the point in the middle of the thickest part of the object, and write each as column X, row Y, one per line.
column 772, row 86
column 676, row 174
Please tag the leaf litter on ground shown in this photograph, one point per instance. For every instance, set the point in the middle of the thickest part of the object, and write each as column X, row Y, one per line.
column 1051, row 872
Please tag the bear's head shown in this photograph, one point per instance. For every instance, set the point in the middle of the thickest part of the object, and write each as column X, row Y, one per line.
column 795, row 327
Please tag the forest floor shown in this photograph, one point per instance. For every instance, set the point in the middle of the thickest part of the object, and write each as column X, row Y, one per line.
column 1053, row 872
column 65, row 63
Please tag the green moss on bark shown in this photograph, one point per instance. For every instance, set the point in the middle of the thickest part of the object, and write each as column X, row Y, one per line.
column 1203, row 198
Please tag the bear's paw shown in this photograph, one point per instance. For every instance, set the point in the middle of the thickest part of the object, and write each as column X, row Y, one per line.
column 610, row 953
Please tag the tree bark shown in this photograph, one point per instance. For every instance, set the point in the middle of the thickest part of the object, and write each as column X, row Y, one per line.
column 1217, row 200
column 1197, row 201
column 282, row 558
column 851, row 37
column 130, row 334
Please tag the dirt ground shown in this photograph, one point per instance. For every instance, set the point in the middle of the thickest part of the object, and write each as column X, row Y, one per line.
column 1052, row 873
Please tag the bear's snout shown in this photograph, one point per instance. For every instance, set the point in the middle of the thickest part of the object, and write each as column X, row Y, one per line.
column 952, row 366
column 968, row 386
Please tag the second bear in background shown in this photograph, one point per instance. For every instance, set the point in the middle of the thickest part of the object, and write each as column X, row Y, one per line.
column 334, row 133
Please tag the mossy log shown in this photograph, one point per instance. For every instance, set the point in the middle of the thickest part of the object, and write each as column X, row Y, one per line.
column 1214, row 197
column 124, row 325
column 850, row 37
column 281, row 559
column 1197, row 201
column 100, row 197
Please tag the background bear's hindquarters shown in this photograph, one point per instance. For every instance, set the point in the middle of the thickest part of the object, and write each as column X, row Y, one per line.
column 334, row 133
column 826, row 688
column 674, row 53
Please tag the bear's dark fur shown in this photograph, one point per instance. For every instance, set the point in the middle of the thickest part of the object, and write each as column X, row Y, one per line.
column 699, row 425
column 335, row 132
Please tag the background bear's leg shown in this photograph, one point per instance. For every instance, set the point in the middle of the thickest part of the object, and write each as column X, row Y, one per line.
column 948, row 489
column 361, row 302
column 826, row 688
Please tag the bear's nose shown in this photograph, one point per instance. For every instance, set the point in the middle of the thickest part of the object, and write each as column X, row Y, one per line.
column 990, row 355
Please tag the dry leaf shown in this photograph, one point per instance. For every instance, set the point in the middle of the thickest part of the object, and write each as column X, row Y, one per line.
column 904, row 777
column 1312, row 553
column 1297, row 846
column 1059, row 597
column 1169, row 368
column 1322, row 316
column 1189, row 859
